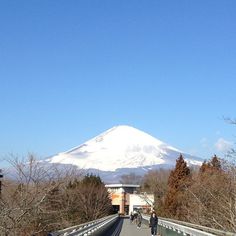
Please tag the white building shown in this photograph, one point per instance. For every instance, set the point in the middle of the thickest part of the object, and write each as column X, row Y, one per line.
column 126, row 199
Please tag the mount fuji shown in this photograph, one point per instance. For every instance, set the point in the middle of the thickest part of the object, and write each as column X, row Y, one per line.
column 123, row 149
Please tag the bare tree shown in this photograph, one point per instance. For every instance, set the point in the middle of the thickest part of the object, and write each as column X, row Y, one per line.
column 26, row 204
column 131, row 178
column 22, row 198
column 212, row 197
column 155, row 182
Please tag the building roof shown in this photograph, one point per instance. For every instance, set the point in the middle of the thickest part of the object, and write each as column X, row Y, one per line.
column 122, row 186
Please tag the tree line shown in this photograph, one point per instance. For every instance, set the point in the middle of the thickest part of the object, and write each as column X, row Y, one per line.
column 204, row 196
column 41, row 199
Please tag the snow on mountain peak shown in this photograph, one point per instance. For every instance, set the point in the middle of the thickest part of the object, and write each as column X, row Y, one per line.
column 119, row 147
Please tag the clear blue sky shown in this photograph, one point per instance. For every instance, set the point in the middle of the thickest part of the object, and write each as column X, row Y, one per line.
column 70, row 70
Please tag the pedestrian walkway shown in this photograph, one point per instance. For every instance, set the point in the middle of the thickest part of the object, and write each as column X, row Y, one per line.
column 130, row 229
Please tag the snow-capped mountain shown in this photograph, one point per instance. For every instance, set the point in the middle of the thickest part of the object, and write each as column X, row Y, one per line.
column 122, row 148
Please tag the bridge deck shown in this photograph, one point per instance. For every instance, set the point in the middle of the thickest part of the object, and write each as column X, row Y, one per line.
column 130, row 229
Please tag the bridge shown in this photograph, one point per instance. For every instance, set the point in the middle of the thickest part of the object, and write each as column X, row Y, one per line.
column 116, row 225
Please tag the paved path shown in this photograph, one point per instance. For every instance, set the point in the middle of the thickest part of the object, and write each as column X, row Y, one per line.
column 130, row 229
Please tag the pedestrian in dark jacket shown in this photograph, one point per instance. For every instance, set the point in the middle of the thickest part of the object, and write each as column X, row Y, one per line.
column 139, row 220
column 131, row 217
column 153, row 223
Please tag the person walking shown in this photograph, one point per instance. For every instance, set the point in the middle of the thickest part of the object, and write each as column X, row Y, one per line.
column 139, row 220
column 135, row 217
column 153, row 223
column 131, row 217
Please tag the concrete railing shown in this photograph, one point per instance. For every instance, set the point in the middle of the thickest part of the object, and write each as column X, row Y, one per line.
column 188, row 228
column 95, row 228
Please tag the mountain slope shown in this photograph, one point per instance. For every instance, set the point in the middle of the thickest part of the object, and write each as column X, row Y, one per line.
column 122, row 147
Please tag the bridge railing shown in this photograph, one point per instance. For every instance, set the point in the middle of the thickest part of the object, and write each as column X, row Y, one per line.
column 95, row 227
column 188, row 228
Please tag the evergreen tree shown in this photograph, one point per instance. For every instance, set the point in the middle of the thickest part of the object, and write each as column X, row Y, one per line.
column 91, row 179
column 211, row 167
column 88, row 198
column 178, row 181
column 216, row 163
column 203, row 167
